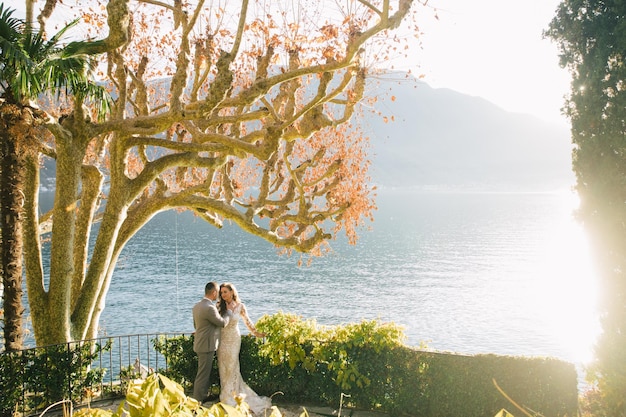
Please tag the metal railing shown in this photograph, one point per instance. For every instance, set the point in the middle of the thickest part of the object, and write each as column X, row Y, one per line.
column 32, row 379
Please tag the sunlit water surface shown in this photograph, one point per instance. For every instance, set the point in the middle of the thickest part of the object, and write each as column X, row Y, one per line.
column 505, row 273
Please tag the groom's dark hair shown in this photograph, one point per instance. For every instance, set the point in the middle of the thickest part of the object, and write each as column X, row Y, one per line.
column 210, row 286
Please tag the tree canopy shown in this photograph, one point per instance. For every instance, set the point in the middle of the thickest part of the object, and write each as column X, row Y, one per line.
column 239, row 111
column 591, row 35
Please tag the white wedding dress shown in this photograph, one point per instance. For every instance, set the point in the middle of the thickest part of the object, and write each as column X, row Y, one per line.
column 231, row 382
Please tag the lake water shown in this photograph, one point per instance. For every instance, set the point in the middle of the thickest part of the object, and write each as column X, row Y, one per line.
column 505, row 273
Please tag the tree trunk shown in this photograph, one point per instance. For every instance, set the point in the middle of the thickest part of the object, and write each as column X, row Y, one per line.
column 11, row 237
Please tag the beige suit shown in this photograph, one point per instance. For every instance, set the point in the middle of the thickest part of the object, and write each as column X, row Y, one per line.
column 208, row 324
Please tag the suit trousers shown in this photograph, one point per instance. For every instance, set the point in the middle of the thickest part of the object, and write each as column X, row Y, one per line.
column 203, row 378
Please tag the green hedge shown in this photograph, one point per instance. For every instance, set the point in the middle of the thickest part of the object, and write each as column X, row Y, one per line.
column 369, row 362
column 464, row 385
column 31, row 379
column 11, row 381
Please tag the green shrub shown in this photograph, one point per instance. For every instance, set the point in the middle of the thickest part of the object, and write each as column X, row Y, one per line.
column 355, row 359
column 11, row 381
column 182, row 362
column 459, row 384
column 62, row 372
column 41, row 376
column 297, row 384
column 369, row 364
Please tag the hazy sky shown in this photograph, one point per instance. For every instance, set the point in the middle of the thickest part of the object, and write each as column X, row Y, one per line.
column 494, row 49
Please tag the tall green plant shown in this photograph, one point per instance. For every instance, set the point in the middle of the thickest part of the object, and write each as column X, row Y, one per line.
column 62, row 372
column 591, row 35
column 11, row 382
column 290, row 339
column 182, row 361
column 353, row 359
column 39, row 377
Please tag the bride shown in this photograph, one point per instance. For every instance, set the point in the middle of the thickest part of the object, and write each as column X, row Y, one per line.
column 231, row 382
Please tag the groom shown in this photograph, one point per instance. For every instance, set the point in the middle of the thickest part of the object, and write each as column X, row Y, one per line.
column 208, row 324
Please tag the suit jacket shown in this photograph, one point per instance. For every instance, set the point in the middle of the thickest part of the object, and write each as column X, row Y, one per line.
column 208, row 324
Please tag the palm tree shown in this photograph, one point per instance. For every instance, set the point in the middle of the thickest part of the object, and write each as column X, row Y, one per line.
column 29, row 67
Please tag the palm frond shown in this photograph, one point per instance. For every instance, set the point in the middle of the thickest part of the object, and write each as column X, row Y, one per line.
column 31, row 65
column 9, row 25
column 56, row 38
column 98, row 96
column 36, row 47
column 11, row 56
column 11, row 52
column 72, row 75
column 64, row 72
column 25, row 85
column 41, row 49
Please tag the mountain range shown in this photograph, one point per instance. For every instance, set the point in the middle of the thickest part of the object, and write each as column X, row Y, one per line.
column 443, row 139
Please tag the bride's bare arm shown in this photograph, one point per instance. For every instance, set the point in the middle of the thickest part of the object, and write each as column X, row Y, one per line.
column 249, row 324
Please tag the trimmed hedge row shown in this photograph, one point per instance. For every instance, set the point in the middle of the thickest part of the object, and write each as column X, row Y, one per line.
column 406, row 381
column 395, row 379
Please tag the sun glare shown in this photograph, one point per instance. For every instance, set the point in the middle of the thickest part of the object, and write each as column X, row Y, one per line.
column 568, row 302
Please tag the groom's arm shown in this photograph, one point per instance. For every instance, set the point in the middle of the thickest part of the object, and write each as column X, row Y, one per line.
column 214, row 317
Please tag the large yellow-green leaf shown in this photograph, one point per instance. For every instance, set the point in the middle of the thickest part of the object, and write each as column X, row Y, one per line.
column 92, row 412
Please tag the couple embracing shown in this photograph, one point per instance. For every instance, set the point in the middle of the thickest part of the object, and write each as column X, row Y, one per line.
column 217, row 330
